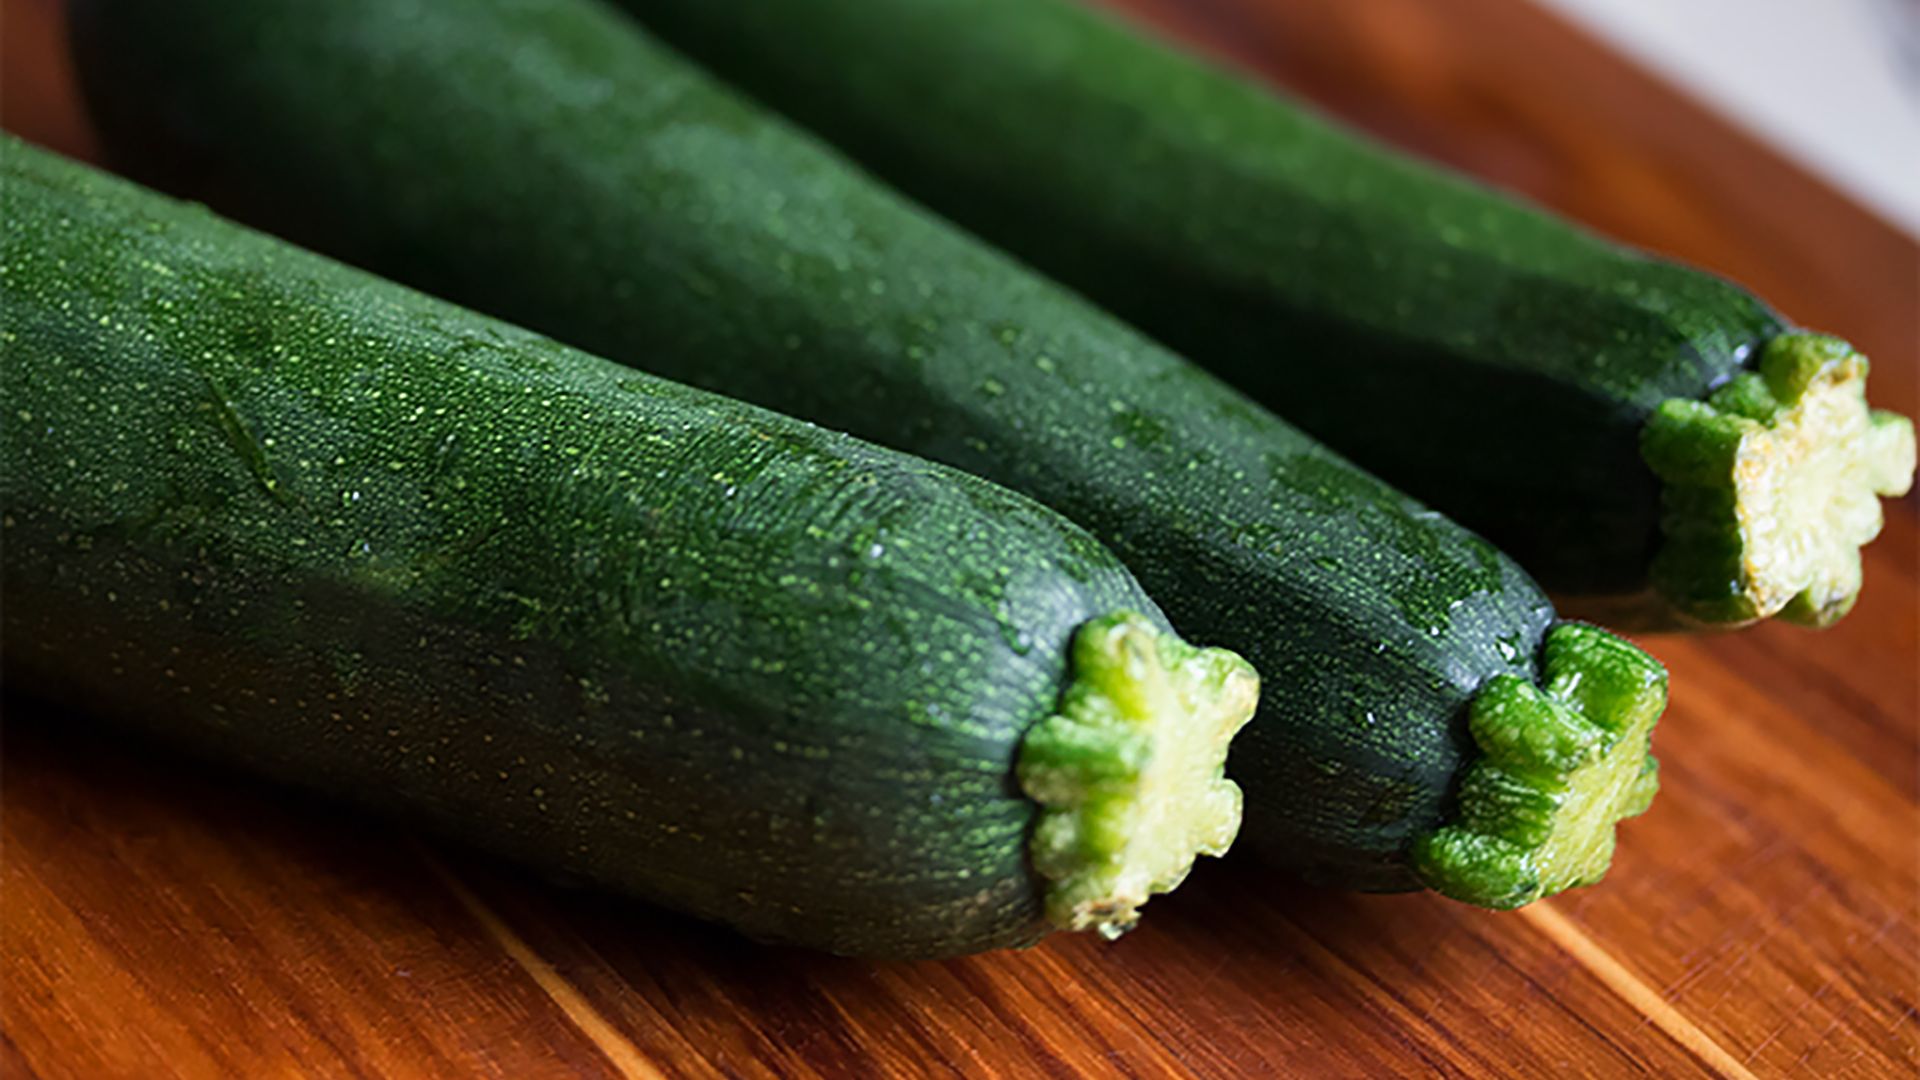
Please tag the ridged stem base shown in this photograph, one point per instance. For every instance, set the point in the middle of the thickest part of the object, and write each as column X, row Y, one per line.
column 1561, row 764
column 1131, row 771
column 1771, row 487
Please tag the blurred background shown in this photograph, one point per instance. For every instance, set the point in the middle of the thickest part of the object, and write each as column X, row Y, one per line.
column 1835, row 83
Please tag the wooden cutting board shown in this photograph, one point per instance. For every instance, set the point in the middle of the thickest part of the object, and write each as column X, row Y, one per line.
column 165, row 919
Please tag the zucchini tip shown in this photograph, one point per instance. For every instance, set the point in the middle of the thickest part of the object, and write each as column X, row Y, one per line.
column 1130, row 772
column 1771, row 487
column 1562, row 763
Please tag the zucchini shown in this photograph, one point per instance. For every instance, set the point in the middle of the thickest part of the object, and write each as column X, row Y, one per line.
column 1651, row 442
column 296, row 517
column 548, row 163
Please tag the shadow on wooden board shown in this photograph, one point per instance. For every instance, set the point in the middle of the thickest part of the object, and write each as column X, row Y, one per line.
column 89, row 789
column 215, row 896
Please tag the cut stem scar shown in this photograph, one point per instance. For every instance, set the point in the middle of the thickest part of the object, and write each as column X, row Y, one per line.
column 1771, row 487
column 1131, row 771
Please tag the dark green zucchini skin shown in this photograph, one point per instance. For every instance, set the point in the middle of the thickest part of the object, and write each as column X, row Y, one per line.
column 546, row 162
column 290, row 515
column 1492, row 360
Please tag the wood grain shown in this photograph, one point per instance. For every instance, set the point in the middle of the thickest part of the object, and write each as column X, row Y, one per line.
column 161, row 918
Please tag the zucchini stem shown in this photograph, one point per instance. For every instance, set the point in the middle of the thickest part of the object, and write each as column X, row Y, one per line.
column 1772, row 485
column 1130, row 773
column 1561, row 764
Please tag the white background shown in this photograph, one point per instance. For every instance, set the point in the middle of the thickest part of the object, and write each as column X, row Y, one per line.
column 1834, row 84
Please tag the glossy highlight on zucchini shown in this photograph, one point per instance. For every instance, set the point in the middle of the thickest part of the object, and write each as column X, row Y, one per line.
column 545, row 161
column 295, row 517
column 1495, row 361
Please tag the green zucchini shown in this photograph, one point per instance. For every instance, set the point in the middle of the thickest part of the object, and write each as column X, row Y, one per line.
column 546, row 162
column 1651, row 442
column 348, row 535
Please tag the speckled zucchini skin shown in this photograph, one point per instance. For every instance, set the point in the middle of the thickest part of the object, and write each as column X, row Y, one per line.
column 544, row 161
column 1493, row 360
column 291, row 515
